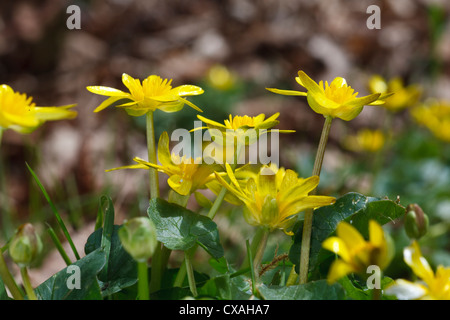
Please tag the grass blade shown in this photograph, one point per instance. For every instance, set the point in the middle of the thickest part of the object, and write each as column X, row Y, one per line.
column 58, row 245
column 55, row 211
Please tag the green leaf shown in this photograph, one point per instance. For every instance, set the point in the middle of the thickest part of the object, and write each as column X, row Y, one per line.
column 180, row 229
column 218, row 287
column 354, row 208
column 314, row 290
column 122, row 269
column 56, row 288
column 220, row 265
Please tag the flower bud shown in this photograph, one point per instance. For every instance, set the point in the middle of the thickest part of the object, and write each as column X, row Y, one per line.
column 416, row 222
column 138, row 237
column 25, row 246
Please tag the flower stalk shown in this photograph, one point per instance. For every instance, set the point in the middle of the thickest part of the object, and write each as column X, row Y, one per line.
column 260, row 248
column 307, row 224
column 143, row 288
column 190, row 270
column 27, row 284
column 9, row 280
column 151, row 147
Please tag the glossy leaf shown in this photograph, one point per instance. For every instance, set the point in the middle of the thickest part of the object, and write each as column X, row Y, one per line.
column 122, row 269
column 57, row 288
column 180, row 229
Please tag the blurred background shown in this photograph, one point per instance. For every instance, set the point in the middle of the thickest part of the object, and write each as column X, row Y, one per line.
column 233, row 49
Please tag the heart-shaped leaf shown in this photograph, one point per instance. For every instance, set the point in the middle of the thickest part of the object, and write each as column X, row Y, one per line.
column 180, row 229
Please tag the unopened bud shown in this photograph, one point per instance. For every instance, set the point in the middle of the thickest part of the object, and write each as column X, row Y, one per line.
column 25, row 246
column 138, row 237
column 416, row 222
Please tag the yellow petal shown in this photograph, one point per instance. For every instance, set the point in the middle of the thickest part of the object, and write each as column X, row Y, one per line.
column 164, row 155
column 187, row 90
column 337, row 246
column 169, row 107
column 376, row 234
column 134, row 85
column 211, row 122
column 406, row 290
column 133, row 166
column 107, row 103
column 312, row 86
column 362, row 101
column 338, row 270
column 413, row 257
column 300, row 189
column 107, row 91
column 190, row 104
column 352, row 238
column 180, row 185
column 287, row 92
column 54, row 113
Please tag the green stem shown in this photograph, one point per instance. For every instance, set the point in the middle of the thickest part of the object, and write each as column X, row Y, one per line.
column 180, row 275
column 217, row 203
column 259, row 253
column 8, row 280
column 257, row 238
column 27, row 284
column 156, row 271
column 151, row 147
column 7, row 221
column 307, row 223
column 188, row 255
column 143, row 288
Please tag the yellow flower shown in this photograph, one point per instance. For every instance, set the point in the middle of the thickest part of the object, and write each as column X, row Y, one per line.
column 365, row 140
column 220, row 78
column 19, row 113
column 435, row 115
column 433, row 286
column 336, row 100
column 356, row 254
column 185, row 174
column 404, row 96
column 154, row 93
column 244, row 129
column 275, row 196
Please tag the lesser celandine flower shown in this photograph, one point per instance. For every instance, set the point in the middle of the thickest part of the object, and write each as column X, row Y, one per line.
column 275, row 196
column 435, row 116
column 355, row 253
column 19, row 113
column 219, row 77
column 185, row 174
column 244, row 129
column 153, row 93
column 335, row 100
column 404, row 97
column 431, row 286
column 365, row 140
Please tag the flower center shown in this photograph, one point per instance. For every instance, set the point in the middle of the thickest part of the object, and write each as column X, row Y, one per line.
column 156, row 86
column 186, row 166
column 338, row 91
column 14, row 103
